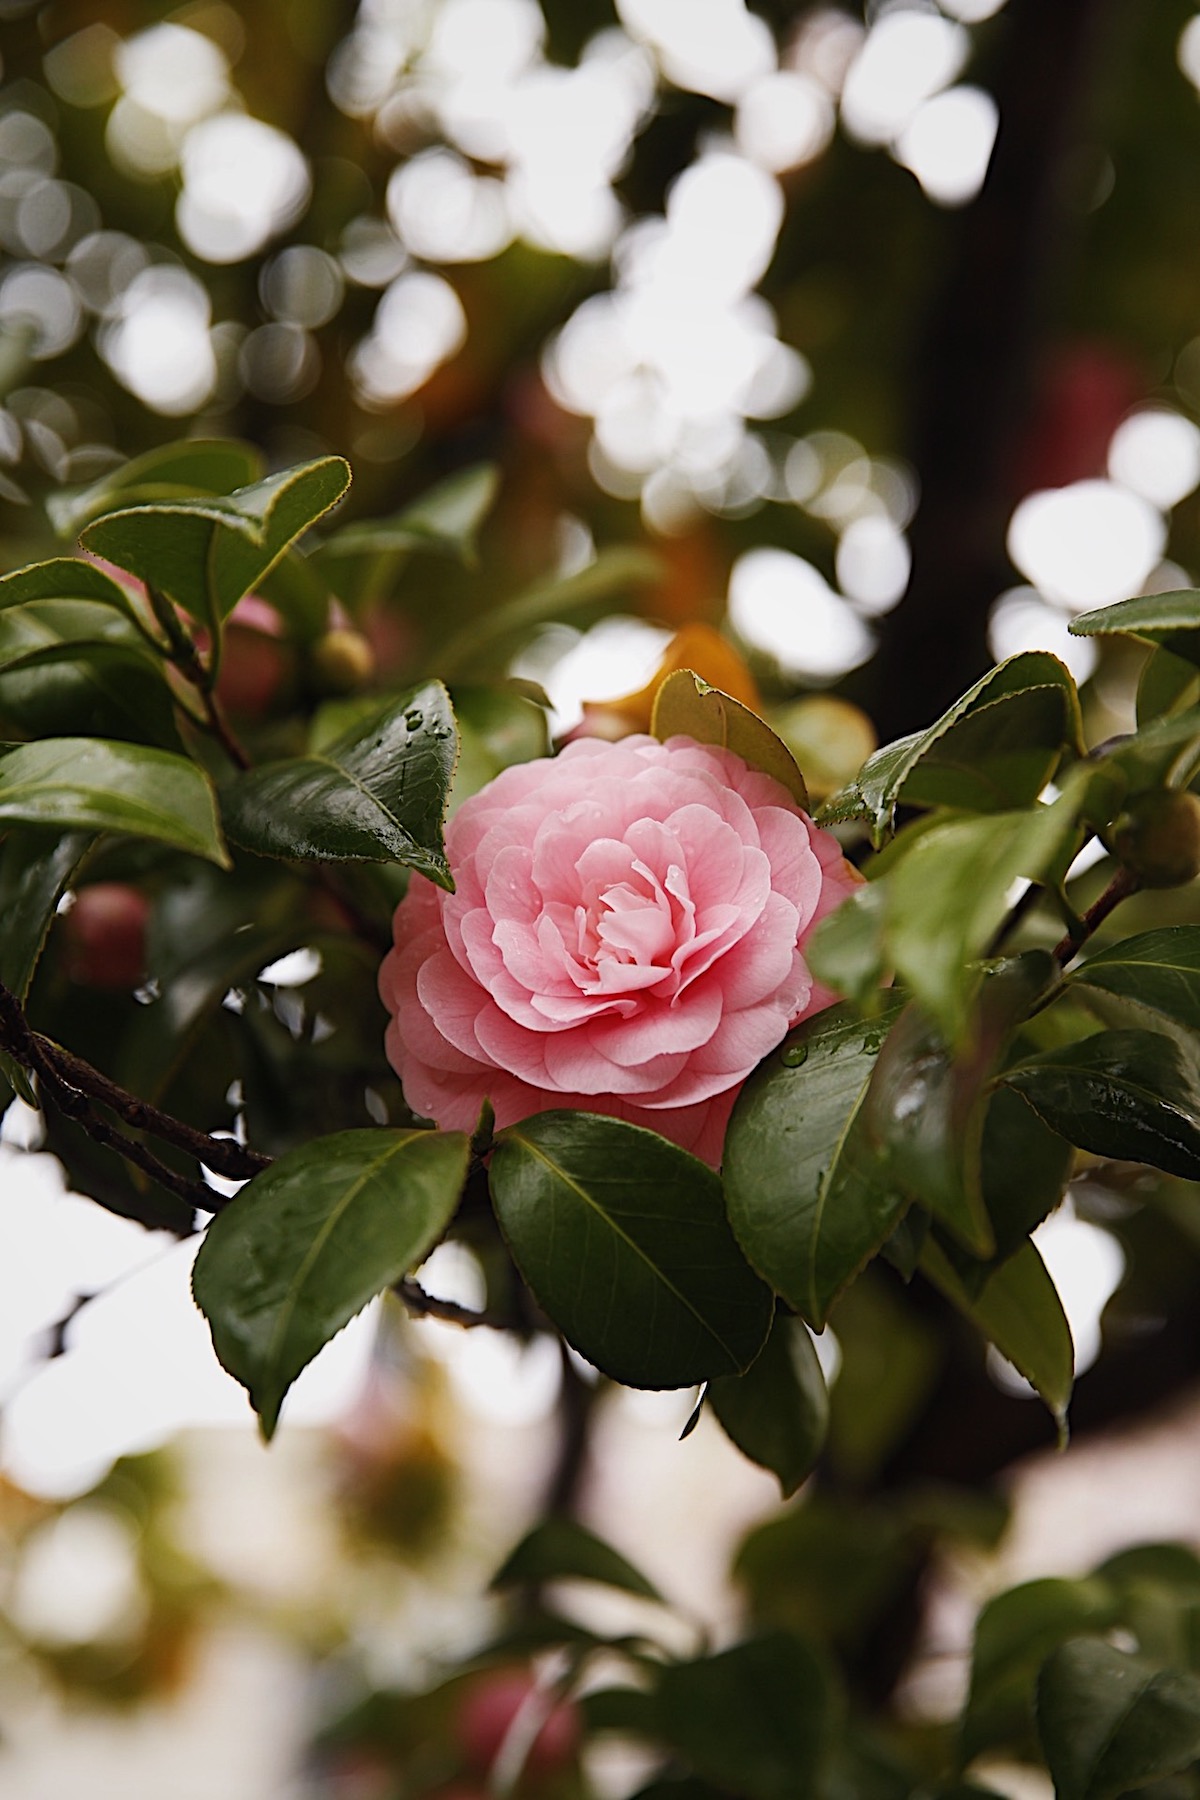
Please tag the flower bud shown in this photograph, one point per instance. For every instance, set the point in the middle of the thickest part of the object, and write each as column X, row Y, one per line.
column 342, row 661
column 104, row 936
column 1158, row 837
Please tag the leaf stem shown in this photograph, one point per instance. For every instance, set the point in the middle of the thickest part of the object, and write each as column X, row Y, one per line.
column 201, row 675
column 422, row 1305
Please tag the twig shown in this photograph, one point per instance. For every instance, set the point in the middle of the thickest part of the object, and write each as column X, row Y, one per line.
column 74, row 1086
column 427, row 1306
column 1123, row 884
column 200, row 674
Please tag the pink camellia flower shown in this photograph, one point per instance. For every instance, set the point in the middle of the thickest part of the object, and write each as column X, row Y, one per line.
column 626, row 937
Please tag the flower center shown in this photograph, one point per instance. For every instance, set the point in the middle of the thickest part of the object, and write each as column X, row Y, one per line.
column 628, row 933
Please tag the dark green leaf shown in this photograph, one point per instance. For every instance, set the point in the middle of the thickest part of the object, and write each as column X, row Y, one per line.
column 777, row 1413
column 1019, row 1311
column 848, row 950
column 1133, row 1096
column 170, row 472
column 206, row 553
column 35, row 866
column 623, row 1239
column 446, row 521
column 689, row 706
column 1156, row 970
column 305, row 1245
column 1025, row 1168
column 809, row 1196
column 81, row 667
column 1032, row 712
column 591, row 591
column 756, row 1718
column 94, row 785
column 376, row 794
column 560, row 1549
column 1014, row 1634
column 927, row 1106
column 1111, row 1723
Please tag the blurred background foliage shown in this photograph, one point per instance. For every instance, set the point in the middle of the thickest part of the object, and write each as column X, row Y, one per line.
column 868, row 335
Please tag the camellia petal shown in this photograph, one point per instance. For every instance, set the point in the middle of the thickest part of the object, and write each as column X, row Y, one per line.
column 626, row 936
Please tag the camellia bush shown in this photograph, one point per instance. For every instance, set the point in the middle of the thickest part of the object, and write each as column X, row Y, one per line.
column 690, row 1068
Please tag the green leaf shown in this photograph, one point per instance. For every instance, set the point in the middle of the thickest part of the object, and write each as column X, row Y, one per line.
column 170, row 472
column 688, row 706
column 623, row 1239
column 81, row 666
column 944, row 899
column 306, row 1244
column 1014, row 1634
column 1110, row 1722
column 927, row 1106
column 1172, row 619
column 777, row 1413
column 1168, row 684
column 1019, row 1311
column 810, row 1198
column 1030, row 712
column 1133, row 1096
column 850, row 947
column 480, row 644
column 445, row 521
column 560, row 1549
column 375, row 794
column 205, row 554
column 35, row 866
column 1024, row 1169
column 1155, row 970
column 64, row 578
column 756, row 1718
column 91, row 784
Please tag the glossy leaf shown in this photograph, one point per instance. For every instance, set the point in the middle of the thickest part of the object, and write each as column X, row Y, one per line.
column 688, row 706
column 91, row 784
column 480, row 645
column 169, row 472
column 206, row 553
column 1014, row 1634
column 1133, row 1096
column 777, row 1413
column 1111, row 1723
column 377, row 793
column 445, row 520
column 1155, row 970
column 1024, row 1169
column 623, row 1239
column 1018, row 1311
column 848, row 951
column 1031, row 712
column 81, row 667
column 36, row 865
column 304, row 1246
column 927, row 1106
column 809, row 1196
column 756, row 1718
column 561, row 1549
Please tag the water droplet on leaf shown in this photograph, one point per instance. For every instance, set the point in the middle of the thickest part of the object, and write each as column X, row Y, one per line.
column 794, row 1056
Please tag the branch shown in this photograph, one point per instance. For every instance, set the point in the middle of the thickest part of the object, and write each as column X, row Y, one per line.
column 1123, row 884
column 75, row 1086
column 421, row 1305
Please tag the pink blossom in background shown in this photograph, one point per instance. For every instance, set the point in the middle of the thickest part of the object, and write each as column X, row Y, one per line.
column 626, row 937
